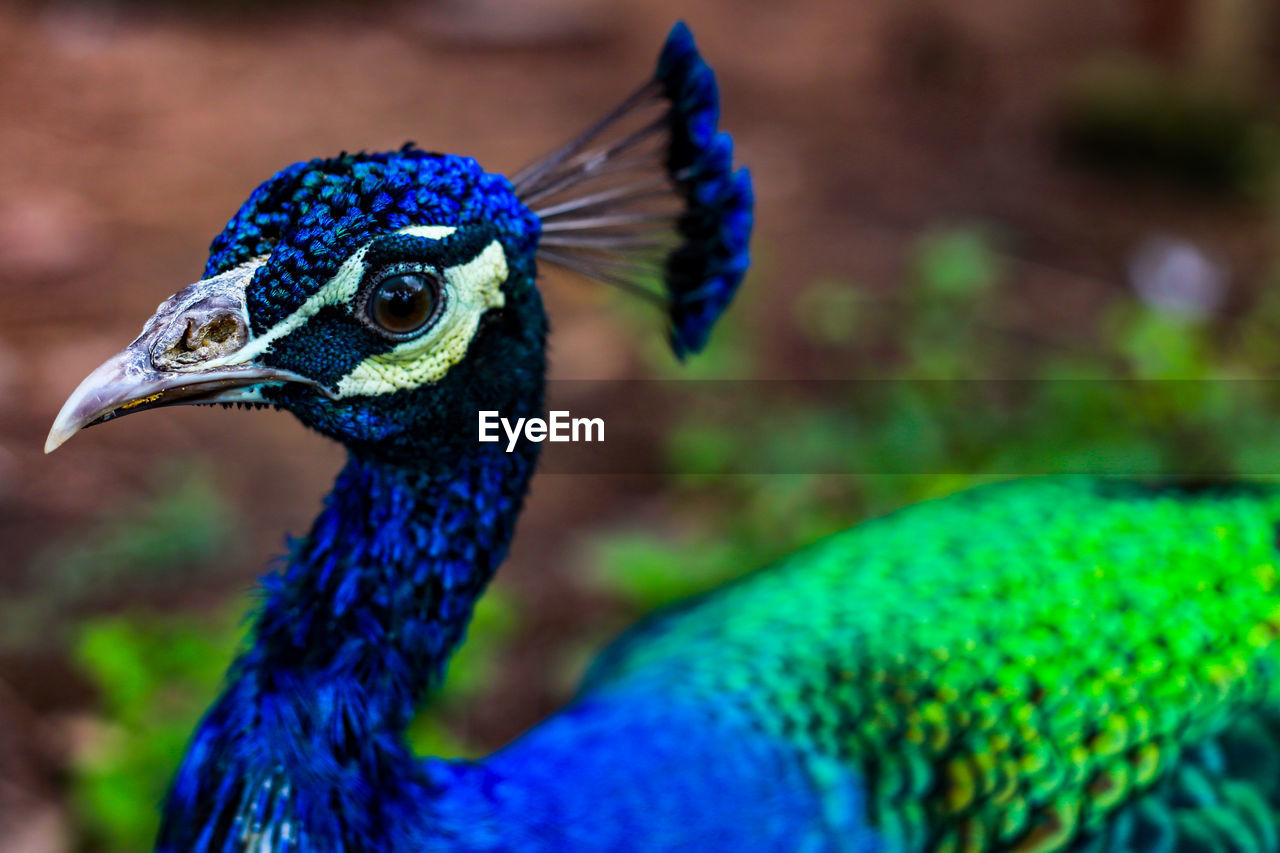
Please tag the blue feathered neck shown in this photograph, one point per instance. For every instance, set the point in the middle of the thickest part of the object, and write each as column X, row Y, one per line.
column 356, row 626
column 381, row 590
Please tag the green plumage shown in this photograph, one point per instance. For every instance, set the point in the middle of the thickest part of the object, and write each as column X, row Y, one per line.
column 1039, row 665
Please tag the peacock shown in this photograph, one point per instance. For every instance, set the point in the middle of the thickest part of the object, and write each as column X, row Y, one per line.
column 1038, row 665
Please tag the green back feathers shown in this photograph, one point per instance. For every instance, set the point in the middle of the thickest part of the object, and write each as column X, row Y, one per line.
column 1035, row 666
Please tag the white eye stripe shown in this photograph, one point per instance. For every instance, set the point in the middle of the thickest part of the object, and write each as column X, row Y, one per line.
column 431, row 232
column 338, row 290
column 473, row 288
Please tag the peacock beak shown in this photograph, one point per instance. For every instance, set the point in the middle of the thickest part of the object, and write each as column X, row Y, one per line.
column 192, row 351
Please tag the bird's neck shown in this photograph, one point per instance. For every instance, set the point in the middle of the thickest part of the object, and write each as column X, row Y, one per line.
column 379, row 593
column 355, row 627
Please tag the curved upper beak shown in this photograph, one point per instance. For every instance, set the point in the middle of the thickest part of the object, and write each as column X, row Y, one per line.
column 195, row 349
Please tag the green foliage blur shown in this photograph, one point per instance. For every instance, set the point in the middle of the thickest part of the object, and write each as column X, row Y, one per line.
column 178, row 534
column 156, row 674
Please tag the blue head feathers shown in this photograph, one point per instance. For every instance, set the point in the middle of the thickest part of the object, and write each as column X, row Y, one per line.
column 310, row 217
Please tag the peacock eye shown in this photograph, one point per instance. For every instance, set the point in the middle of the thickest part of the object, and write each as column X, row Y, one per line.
column 402, row 303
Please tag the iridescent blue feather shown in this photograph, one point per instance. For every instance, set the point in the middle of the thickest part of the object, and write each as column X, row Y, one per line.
column 703, row 273
column 649, row 196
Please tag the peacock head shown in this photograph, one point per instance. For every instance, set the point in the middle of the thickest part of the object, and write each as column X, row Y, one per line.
column 386, row 298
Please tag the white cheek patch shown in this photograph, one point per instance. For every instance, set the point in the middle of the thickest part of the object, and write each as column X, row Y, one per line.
column 339, row 290
column 471, row 289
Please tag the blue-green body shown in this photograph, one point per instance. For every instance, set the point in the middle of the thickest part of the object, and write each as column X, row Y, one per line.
column 1039, row 665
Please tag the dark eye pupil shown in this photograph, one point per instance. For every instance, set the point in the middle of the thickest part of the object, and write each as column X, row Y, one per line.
column 402, row 303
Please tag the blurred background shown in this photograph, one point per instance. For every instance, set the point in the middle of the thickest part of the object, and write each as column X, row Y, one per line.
column 1060, row 193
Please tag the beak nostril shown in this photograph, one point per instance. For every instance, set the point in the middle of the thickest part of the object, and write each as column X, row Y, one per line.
column 190, row 340
column 202, row 335
column 222, row 329
column 216, row 330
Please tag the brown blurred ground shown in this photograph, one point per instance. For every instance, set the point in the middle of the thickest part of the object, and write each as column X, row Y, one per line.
column 131, row 133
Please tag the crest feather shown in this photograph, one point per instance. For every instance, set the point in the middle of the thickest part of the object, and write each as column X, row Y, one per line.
column 647, row 198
